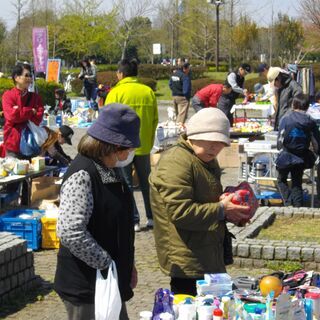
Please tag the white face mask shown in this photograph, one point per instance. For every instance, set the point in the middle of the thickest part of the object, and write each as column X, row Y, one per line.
column 124, row 163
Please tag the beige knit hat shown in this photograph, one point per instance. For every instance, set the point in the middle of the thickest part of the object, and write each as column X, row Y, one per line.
column 209, row 124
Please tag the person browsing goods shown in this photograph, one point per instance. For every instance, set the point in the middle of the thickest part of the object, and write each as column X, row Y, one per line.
column 95, row 223
column 190, row 213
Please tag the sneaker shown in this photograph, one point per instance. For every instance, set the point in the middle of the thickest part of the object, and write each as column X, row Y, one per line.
column 149, row 223
column 137, row 227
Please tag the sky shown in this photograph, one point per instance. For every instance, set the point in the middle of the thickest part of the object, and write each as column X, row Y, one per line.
column 258, row 10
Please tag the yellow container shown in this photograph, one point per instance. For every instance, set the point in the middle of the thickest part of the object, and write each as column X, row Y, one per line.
column 49, row 234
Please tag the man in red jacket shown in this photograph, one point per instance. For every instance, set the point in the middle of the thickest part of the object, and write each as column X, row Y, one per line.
column 19, row 106
column 209, row 95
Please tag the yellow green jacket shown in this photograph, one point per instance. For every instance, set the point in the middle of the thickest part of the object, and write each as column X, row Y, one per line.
column 142, row 100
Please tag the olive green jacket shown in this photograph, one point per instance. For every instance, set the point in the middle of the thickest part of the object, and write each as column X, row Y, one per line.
column 184, row 195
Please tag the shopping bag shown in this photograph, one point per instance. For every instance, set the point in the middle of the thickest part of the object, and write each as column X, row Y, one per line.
column 28, row 144
column 40, row 133
column 107, row 300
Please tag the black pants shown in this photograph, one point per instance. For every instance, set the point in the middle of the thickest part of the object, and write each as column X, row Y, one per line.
column 13, row 187
column 184, row 285
column 293, row 196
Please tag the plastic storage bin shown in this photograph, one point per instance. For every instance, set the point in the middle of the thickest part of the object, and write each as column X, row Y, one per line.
column 49, row 234
column 26, row 228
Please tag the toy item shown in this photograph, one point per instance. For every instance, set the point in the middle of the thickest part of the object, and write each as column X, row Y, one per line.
column 244, row 195
column 269, row 284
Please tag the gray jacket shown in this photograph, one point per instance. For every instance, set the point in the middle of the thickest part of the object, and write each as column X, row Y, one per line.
column 285, row 95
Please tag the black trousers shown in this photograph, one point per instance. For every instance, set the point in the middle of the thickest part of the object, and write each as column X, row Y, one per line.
column 293, row 196
column 184, row 285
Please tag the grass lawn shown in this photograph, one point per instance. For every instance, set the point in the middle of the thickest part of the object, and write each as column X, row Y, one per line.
column 295, row 229
column 163, row 91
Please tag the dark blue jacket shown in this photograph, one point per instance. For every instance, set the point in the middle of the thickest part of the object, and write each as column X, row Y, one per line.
column 180, row 84
column 296, row 131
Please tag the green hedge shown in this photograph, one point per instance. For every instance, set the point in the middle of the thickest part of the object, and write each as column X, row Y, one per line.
column 249, row 83
column 109, row 78
column 199, row 84
column 158, row 71
column 46, row 90
column 5, row 84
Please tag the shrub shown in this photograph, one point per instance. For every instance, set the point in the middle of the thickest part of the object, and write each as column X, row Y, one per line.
column 157, row 71
column 149, row 82
column 249, row 83
column 108, row 78
column 199, row 84
column 46, row 91
column 5, row 84
column 77, row 86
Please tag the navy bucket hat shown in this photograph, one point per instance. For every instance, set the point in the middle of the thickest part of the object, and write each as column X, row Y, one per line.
column 117, row 124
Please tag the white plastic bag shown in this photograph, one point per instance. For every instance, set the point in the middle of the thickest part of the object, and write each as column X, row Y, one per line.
column 107, row 300
column 40, row 133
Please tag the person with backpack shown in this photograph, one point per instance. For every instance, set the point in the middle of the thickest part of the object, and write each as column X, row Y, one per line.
column 296, row 131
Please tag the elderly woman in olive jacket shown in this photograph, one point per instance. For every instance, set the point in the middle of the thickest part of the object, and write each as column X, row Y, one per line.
column 189, row 212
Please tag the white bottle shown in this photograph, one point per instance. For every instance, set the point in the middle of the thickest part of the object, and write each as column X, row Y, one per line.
column 145, row 315
column 205, row 312
column 187, row 312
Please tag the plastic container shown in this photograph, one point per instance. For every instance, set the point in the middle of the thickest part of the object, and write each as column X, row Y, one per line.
column 205, row 312
column 217, row 314
column 28, row 228
column 49, row 233
column 315, row 297
column 59, row 120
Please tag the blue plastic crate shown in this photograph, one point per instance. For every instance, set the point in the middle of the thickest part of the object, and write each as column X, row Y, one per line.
column 28, row 229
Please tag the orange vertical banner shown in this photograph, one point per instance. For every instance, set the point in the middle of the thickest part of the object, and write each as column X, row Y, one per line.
column 53, row 70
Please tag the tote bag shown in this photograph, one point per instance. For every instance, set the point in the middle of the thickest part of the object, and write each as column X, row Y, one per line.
column 107, row 300
column 28, row 144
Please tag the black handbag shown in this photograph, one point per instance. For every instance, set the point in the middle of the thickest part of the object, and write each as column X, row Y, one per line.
column 227, row 247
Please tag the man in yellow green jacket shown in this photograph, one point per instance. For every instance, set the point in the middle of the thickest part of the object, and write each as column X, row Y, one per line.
column 142, row 100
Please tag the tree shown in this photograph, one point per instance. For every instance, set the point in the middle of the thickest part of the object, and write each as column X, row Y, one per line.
column 197, row 30
column 311, row 10
column 127, row 28
column 289, row 38
column 84, row 30
column 19, row 4
column 245, row 34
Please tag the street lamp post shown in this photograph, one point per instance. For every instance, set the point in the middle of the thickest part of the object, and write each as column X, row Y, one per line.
column 217, row 3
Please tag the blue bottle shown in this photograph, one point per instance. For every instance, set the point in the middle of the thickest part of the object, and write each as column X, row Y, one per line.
column 59, row 120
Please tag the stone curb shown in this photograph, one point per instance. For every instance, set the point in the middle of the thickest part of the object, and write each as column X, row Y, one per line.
column 247, row 248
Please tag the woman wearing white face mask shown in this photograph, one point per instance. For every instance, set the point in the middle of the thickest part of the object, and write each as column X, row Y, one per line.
column 95, row 222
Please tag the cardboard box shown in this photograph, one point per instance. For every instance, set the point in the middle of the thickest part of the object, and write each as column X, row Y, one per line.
column 45, row 188
column 229, row 156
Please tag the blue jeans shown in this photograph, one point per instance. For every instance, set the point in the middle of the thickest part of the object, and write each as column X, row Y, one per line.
column 143, row 168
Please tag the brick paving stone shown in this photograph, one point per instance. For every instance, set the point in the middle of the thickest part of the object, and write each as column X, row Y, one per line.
column 44, row 304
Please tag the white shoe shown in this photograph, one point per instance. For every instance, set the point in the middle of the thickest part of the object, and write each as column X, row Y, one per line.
column 149, row 223
column 137, row 227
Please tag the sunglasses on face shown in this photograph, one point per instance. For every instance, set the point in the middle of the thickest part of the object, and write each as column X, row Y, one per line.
column 27, row 75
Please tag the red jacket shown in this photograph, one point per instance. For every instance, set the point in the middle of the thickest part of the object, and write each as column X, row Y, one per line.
column 17, row 118
column 210, row 94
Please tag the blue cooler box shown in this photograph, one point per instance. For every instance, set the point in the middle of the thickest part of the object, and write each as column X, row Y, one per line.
column 26, row 228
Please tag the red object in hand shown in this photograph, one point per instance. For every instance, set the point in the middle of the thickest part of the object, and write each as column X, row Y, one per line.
column 241, row 197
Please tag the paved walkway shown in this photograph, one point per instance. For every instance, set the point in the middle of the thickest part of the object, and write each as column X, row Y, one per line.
column 44, row 304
